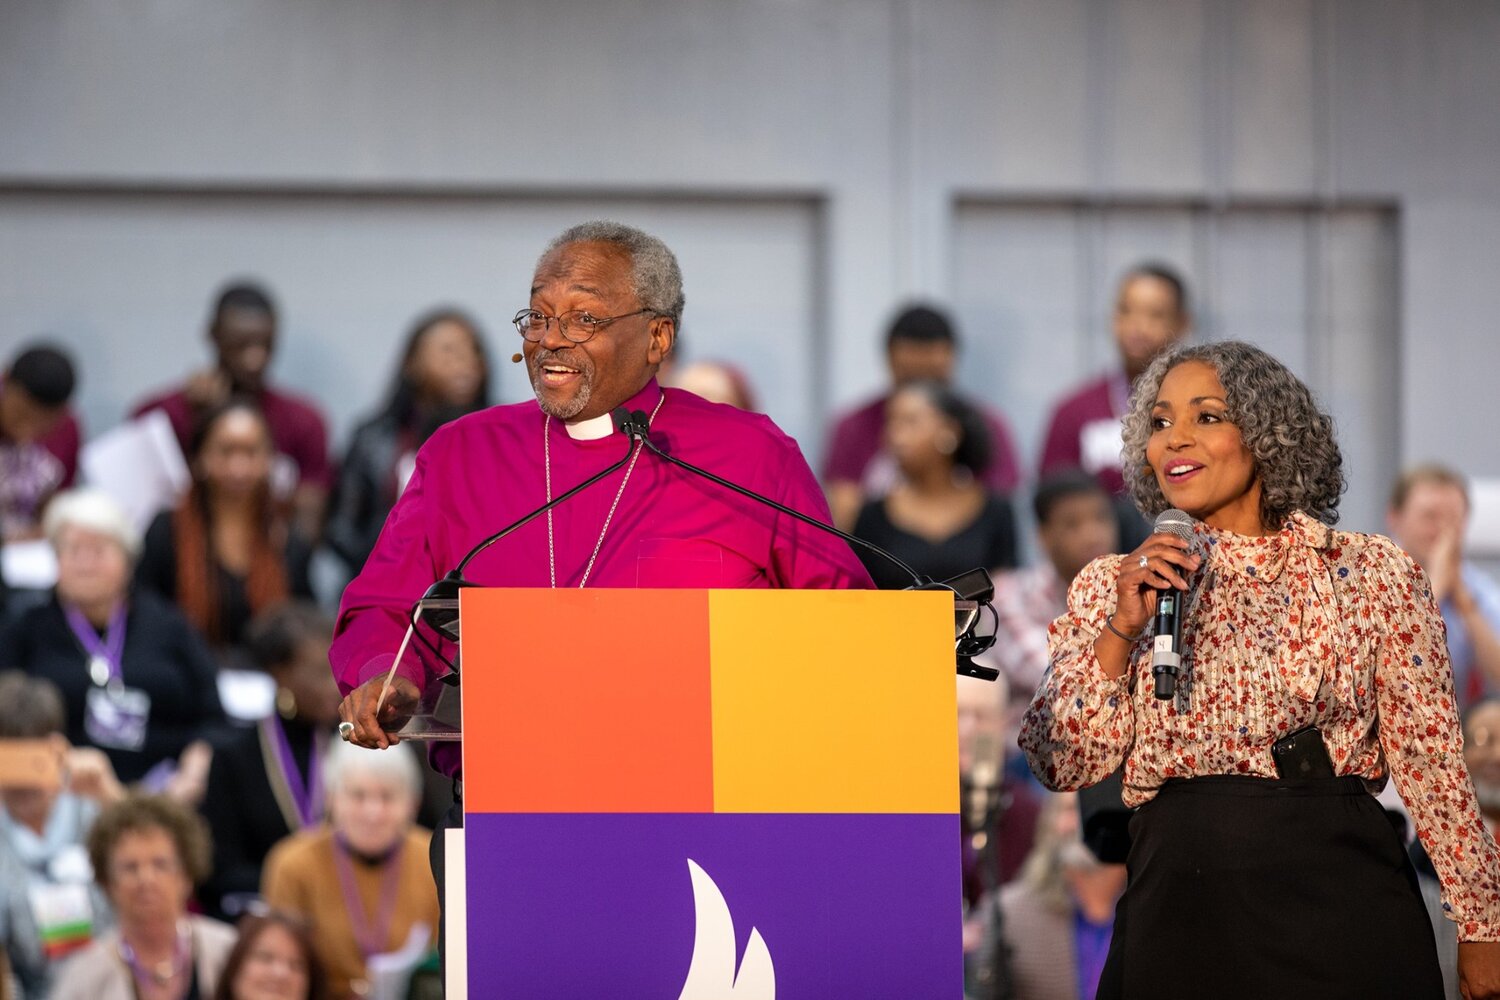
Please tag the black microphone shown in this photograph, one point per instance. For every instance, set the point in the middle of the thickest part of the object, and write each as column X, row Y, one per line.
column 448, row 587
column 975, row 585
column 1166, row 654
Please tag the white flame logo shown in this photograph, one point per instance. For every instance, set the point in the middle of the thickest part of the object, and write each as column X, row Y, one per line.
column 711, row 974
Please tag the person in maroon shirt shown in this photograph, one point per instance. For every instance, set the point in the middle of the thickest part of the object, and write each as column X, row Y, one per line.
column 243, row 334
column 1151, row 314
column 921, row 346
column 36, row 456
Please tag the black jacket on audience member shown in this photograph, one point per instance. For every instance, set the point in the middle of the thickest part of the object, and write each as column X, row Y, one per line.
column 164, row 657
column 243, row 813
column 366, row 488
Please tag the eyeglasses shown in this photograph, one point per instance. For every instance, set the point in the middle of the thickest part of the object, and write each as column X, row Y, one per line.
column 577, row 325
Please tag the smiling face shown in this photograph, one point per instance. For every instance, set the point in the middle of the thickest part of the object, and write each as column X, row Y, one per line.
column 1197, row 454
column 576, row 382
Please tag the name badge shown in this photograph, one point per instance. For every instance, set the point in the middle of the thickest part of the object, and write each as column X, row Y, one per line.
column 1099, row 443
column 116, row 716
column 64, row 917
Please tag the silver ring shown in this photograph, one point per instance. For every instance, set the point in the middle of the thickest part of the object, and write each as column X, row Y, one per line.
column 346, row 731
column 1144, row 561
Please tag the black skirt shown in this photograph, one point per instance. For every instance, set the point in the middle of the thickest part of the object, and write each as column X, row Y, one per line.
column 1252, row 888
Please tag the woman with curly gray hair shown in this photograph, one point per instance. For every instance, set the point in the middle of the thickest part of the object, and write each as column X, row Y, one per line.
column 1314, row 664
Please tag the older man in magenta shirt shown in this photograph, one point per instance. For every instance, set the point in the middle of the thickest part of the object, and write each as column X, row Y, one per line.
column 604, row 307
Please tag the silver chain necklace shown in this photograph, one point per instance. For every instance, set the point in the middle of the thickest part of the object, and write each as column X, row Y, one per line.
column 547, row 466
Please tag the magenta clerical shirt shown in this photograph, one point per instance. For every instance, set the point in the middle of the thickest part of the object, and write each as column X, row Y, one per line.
column 670, row 529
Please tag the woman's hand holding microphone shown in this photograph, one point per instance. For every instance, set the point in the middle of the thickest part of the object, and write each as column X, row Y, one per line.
column 1162, row 562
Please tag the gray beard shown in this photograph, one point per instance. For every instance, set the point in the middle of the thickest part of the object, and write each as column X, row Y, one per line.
column 585, row 385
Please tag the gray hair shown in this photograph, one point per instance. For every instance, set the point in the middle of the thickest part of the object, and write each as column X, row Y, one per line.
column 397, row 765
column 656, row 278
column 1290, row 439
column 93, row 510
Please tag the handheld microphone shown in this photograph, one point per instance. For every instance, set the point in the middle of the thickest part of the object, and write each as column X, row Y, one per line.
column 975, row 585
column 1166, row 653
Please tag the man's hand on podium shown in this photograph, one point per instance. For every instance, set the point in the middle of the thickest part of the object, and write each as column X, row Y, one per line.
column 358, row 709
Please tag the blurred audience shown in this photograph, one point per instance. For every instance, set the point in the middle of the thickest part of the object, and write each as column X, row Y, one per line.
column 38, row 438
column 50, row 794
column 226, row 552
column 715, row 381
column 1427, row 516
column 266, row 782
column 136, row 680
column 1059, row 914
column 1075, row 524
column 921, row 345
column 444, row 373
column 243, row 332
column 148, row 852
column 272, row 960
column 1151, row 314
column 363, row 881
column 999, row 808
column 940, row 517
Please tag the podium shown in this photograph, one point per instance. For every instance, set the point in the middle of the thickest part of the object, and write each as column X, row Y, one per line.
column 737, row 795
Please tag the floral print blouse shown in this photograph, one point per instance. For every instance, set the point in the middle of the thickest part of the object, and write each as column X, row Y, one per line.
column 1308, row 626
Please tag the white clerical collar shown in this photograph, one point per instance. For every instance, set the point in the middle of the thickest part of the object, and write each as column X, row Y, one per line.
column 592, row 429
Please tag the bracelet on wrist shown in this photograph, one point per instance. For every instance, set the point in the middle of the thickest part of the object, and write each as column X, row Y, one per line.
column 1109, row 623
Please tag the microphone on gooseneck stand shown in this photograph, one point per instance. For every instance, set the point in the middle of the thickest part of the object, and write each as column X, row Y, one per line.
column 1166, row 652
column 975, row 585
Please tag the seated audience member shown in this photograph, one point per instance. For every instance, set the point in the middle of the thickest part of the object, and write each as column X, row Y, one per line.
column 940, row 517
column 137, row 681
column 363, row 881
column 243, row 332
column 715, row 381
column 226, row 552
column 920, row 346
column 265, row 782
column 1151, row 314
column 999, row 808
column 272, row 960
column 1059, row 913
column 1427, row 516
column 444, row 374
column 1075, row 524
column 148, row 852
column 49, row 906
column 38, row 438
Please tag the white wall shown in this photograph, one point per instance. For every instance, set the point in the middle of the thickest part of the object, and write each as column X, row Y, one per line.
column 816, row 161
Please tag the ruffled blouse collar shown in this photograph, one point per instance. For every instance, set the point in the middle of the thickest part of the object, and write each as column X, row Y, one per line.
column 1265, row 557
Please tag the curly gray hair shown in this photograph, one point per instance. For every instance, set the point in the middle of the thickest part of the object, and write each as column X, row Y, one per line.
column 1291, row 440
column 654, row 271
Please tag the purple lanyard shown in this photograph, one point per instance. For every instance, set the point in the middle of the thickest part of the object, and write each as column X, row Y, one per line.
column 370, row 937
column 306, row 795
column 104, row 656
